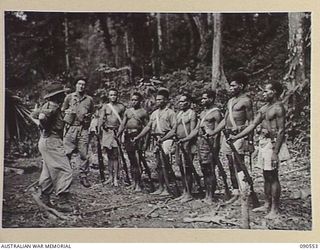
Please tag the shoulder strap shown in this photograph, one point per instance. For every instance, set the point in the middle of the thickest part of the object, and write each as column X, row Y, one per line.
column 205, row 116
column 115, row 112
column 135, row 115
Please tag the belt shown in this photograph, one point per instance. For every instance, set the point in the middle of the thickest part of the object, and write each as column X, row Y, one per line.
column 76, row 123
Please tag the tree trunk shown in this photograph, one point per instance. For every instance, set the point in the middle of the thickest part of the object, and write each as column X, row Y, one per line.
column 203, row 33
column 295, row 76
column 194, row 36
column 218, row 77
column 66, row 43
column 160, row 49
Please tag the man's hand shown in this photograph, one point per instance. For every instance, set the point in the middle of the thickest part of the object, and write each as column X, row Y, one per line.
column 231, row 139
column 274, row 160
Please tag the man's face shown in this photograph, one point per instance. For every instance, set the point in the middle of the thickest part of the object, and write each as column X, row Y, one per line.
column 184, row 104
column 135, row 101
column 80, row 86
column 205, row 100
column 235, row 88
column 113, row 96
column 268, row 93
column 161, row 101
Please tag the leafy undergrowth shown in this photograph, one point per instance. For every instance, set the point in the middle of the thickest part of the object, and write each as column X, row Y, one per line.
column 103, row 206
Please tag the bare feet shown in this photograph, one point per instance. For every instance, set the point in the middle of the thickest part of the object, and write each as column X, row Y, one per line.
column 263, row 208
column 165, row 193
column 208, row 200
column 115, row 182
column 180, row 197
column 186, row 198
column 138, row 188
column 157, row 192
column 272, row 215
column 108, row 181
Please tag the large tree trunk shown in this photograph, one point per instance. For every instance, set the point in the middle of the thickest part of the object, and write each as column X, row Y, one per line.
column 296, row 75
column 66, row 43
column 203, row 34
column 218, row 77
column 159, row 36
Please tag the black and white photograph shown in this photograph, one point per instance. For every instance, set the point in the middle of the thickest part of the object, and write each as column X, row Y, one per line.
column 197, row 120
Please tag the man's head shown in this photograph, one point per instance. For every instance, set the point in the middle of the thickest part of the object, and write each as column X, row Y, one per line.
column 81, row 85
column 184, row 101
column 272, row 90
column 136, row 99
column 238, row 83
column 113, row 95
column 162, row 98
column 208, row 98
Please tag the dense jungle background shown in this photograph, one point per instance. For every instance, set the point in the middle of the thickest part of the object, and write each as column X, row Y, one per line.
column 142, row 51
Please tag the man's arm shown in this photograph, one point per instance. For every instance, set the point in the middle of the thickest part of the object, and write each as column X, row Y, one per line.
column 144, row 131
column 250, row 117
column 257, row 120
column 280, row 120
column 66, row 103
column 217, row 120
column 192, row 134
column 172, row 132
column 123, row 123
column 218, row 129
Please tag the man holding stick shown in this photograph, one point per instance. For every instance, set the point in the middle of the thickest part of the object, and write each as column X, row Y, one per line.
column 134, row 119
column 186, row 122
column 239, row 112
column 209, row 119
column 162, row 125
column 272, row 145
column 110, row 120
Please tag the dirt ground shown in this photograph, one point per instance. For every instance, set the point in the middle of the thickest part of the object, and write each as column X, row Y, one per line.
column 103, row 206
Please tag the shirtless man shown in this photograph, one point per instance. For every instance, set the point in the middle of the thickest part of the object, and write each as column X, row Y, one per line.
column 272, row 118
column 239, row 112
column 110, row 119
column 162, row 125
column 134, row 119
column 209, row 120
column 186, row 122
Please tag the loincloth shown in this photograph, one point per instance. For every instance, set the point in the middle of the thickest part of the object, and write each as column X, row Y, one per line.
column 108, row 139
column 204, row 151
column 266, row 150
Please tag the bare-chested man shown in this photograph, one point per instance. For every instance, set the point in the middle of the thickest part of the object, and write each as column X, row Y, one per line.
column 134, row 119
column 239, row 112
column 210, row 117
column 186, row 122
column 111, row 117
column 274, row 149
column 162, row 125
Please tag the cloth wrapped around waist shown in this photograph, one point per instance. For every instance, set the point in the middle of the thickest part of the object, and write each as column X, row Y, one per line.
column 168, row 146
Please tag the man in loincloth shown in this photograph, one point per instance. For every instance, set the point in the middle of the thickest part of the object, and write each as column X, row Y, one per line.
column 110, row 119
column 134, row 119
column 239, row 113
column 210, row 117
column 78, row 108
column 272, row 146
column 186, row 122
column 162, row 125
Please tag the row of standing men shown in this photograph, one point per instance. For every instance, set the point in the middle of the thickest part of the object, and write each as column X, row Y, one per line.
column 66, row 124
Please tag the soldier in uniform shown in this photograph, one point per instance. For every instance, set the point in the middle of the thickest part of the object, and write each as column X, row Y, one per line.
column 56, row 174
column 78, row 108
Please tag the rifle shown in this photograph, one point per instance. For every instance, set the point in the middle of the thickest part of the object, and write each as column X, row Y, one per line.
column 124, row 163
column 146, row 168
column 165, row 164
column 253, row 195
column 221, row 169
column 189, row 161
column 100, row 159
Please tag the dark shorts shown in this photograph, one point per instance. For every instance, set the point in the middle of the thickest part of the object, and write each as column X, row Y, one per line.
column 271, row 175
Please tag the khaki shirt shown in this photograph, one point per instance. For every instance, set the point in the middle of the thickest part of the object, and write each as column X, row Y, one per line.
column 53, row 124
column 166, row 119
column 82, row 106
